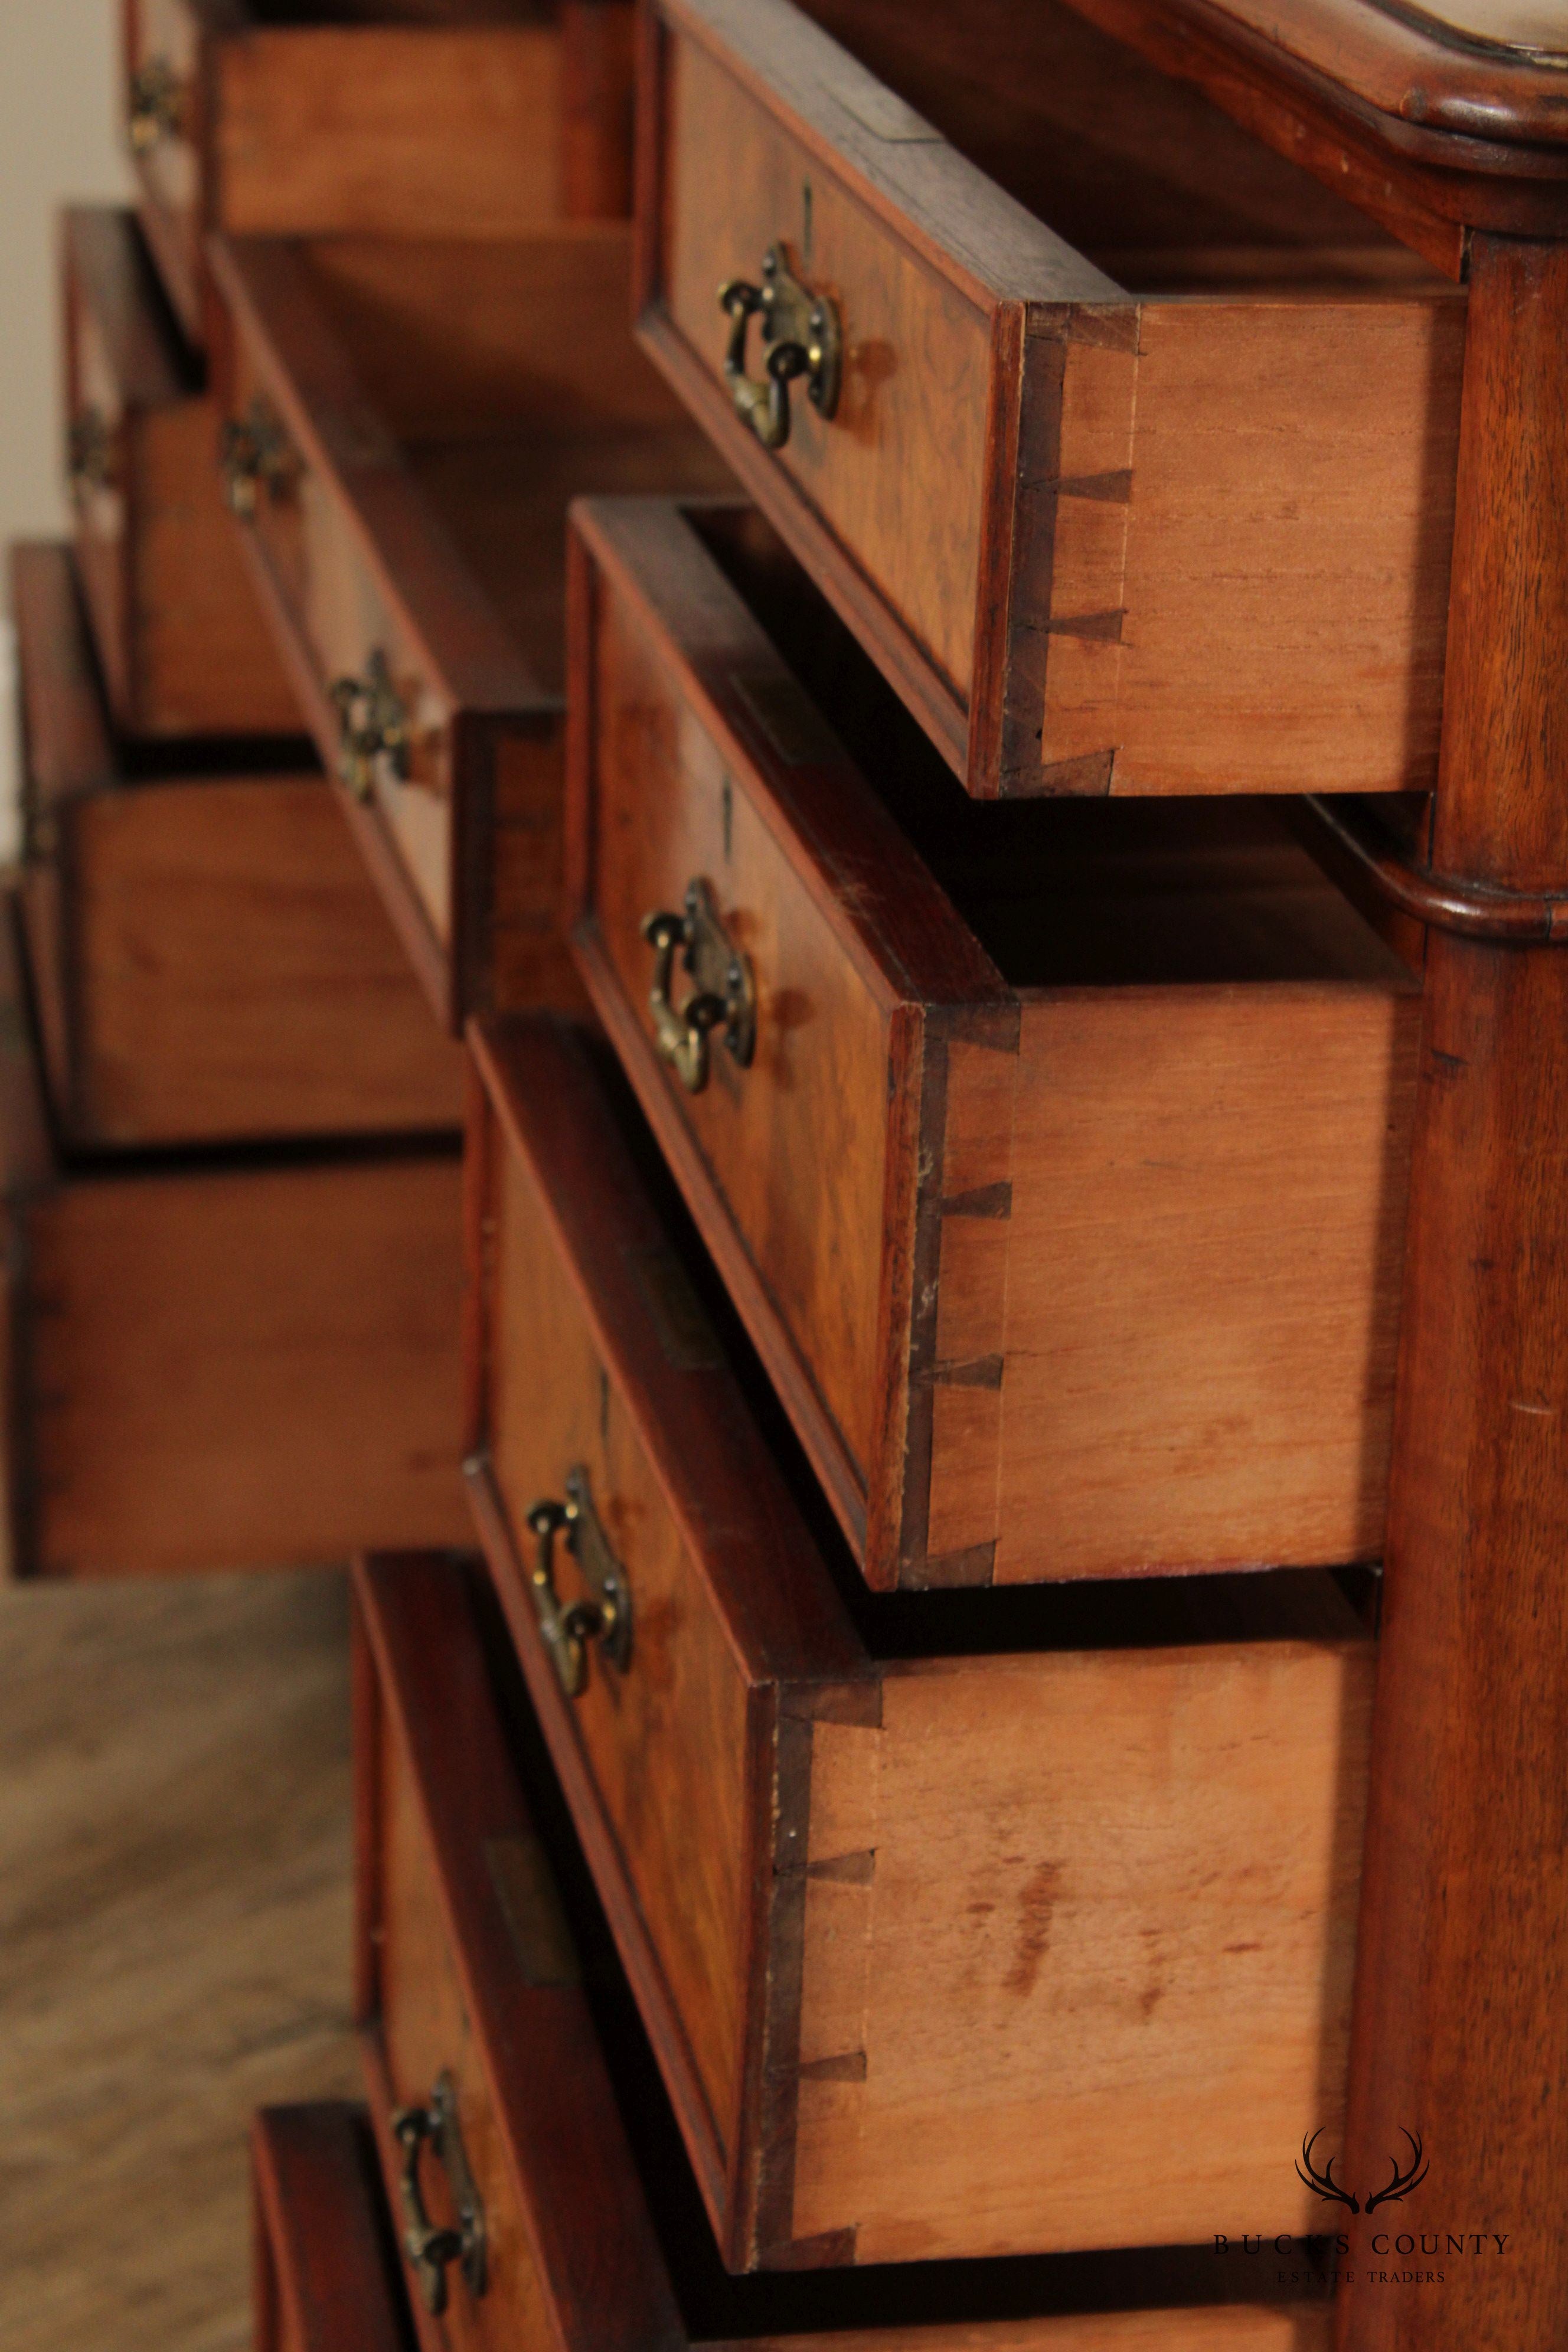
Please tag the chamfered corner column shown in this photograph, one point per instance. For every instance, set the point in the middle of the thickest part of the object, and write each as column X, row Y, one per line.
column 1461, row 2019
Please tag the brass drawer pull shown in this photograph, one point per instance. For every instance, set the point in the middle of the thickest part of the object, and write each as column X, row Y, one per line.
column 255, row 452
column 725, row 996
column 608, row 1617
column 157, row 105
column 803, row 336
column 372, row 724
column 91, row 453
column 431, row 2249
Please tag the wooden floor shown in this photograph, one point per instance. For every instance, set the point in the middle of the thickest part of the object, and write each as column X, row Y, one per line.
column 174, row 1940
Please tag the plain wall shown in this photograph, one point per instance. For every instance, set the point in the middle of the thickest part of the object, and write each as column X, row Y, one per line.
column 59, row 141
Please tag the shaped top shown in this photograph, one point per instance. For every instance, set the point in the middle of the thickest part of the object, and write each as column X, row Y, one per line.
column 1477, row 85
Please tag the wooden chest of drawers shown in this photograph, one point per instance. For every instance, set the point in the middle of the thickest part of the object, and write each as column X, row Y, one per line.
column 326, row 2279
column 1059, row 1174
column 527, row 2122
column 384, row 118
column 249, row 1363
column 956, row 1921
column 1168, row 514
column 209, row 962
column 180, row 633
column 407, row 422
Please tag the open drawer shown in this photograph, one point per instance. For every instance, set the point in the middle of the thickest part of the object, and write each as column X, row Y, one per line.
column 208, row 959
column 219, row 1362
column 185, row 649
column 511, row 2090
column 383, row 118
column 327, row 2273
column 1131, row 457
column 1055, row 1155
column 946, row 1914
column 406, row 424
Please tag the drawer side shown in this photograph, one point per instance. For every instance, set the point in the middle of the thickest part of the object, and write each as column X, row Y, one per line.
column 1078, row 1941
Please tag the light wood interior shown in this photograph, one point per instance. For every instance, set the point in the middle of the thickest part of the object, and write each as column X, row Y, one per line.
column 1104, row 893
column 508, row 375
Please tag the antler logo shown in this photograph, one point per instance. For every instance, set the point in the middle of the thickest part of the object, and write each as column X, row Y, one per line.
column 1324, row 2184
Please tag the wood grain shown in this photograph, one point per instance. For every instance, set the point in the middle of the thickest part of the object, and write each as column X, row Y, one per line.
column 948, row 1855
column 242, row 1368
column 1190, row 598
column 472, row 119
column 209, row 960
column 1033, row 1328
column 474, row 1971
column 175, row 1864
column 1459, row 2003
column 324, row 2280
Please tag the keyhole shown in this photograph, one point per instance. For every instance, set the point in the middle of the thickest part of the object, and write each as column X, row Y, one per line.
column 806, row 223
column 727, row 815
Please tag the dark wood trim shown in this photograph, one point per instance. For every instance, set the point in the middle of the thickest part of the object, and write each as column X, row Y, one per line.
column 1461, row 2011
column 322, row 2250
column 1445, row 902
column 1426, row 185
column 1401, row 66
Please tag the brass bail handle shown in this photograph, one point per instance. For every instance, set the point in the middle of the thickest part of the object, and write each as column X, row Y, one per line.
column 157, row 105
column 255, row 452
column 89, row 452
column 372, row 724
column 725, row 998
column 432, row 2248
column 607, row 1618
column 803, row 336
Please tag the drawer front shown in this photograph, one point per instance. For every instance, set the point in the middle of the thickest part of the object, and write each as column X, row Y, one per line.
column 101, row 454
column 185, row 649
column 666, row 1745
column 448, row 749
column 324, row 2282
column 701, row 766
column 470, row 2007
column 167, row 100
column 427, row 2038
column 345, row 631
column 673, row 811
column 1191, row 539
column 596, row 1384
